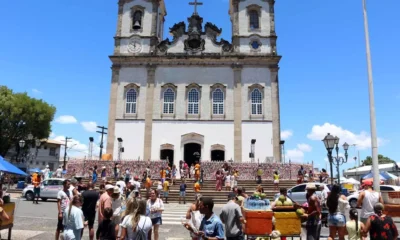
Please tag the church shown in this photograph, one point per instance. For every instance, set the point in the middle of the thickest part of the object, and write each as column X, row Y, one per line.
column 195, row 96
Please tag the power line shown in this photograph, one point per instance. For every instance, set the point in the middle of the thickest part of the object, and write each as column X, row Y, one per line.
column 102, row 132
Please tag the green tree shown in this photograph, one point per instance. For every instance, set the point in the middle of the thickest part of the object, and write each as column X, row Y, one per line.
column 381, row 159
column 21, row 115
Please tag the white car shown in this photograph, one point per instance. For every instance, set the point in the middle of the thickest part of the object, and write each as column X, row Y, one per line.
column 49, row 189
column 298, row 193
column 353, row 198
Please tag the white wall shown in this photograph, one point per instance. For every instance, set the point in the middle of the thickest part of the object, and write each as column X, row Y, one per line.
column 262, row 132
column 171, row 132
column 132, row 134
column 244, row 18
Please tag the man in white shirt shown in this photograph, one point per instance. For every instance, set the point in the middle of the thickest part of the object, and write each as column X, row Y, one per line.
column 46, row 172
column 121, row 184
column 135, row 182
column 58, row 172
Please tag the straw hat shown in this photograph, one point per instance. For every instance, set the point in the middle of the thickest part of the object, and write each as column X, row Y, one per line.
column 311, row 186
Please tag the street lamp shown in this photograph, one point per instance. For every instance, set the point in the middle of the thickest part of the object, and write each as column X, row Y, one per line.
column 21, row 143
column 329, row 142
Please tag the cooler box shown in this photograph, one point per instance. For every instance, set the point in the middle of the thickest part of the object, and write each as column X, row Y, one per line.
column 287, row 223
column 21, row 184
column 258, row 222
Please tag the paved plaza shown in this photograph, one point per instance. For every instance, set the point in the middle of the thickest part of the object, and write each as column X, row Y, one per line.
column 38, row 222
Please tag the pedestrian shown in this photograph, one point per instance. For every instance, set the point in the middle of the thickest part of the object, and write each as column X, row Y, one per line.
column 174, row 171
column 58, row 172
column 46, row 172
column 90, row 198
column 313, row 221
column 117, row 203
column 276, row 181
column 121, row 184
column 197, row 169
column 218, row 177
column 191, row 171
column 367, row 200
column 227, row 182
column 106, row 228
column 380, row 226
column 163, row 175
column 159, row 185
column 337, row 204
column 182, row 191
column 116, row 172
column 64, row 197
column 231, row 216
column 259, row 174
column 211, row 226
column 135, row 182
column 127, row 176
column 196, row 186
column 73, row 220
column 166, row 190
column 36, row 179
column 73, row 187
column 104, row 173
column 105, row 201
column 136, row 225
column 148, row 185
column 354, row 228
column 156, row 207
column 94, row 175
column 194, row 217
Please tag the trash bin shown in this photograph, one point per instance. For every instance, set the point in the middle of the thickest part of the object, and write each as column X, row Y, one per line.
column 21, row 184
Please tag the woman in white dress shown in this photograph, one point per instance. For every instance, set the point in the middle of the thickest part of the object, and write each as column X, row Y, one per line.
column 136, row 222
column 194, row 217
column 73, row 220
column 156, row 207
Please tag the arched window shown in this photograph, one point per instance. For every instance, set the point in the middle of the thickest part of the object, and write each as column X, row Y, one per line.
column 169, row 101
column 218, row 102
column 254, row 19
column 131, row 100
column 193, row 101
column 256, row 102
column 137, row 20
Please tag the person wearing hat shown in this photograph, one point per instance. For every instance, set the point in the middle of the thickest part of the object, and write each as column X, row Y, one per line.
column 379, row 225
column 313, row 215
column 367, row 199
column 104, row 173
column 105, row 201
column 117, row 200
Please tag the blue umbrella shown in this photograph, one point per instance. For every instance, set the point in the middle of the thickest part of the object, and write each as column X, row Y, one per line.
column 10, row 168
column 371, row 175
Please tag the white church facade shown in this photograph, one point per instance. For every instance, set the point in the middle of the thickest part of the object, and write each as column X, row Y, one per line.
column 194, row 96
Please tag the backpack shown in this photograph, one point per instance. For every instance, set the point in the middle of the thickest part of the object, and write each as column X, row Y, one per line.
column 141, row 234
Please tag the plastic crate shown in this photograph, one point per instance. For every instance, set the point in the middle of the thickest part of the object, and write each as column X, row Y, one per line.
column 258, row 222
column 287, row 223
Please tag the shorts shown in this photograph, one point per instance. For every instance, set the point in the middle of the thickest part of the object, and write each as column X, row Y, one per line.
column 227, row 184
column 336, row 220
column 182, row 193
column 90, row 219
column 36, row 191
column 276, row 181
column 156, row 221
column 60, row 225
column 165, row 194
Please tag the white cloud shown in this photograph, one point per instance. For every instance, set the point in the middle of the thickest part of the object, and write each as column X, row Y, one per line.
column 89, row 126
column 286, row 134
column 304, row 147
column 52, row 135
column 295, row 155
column 66, row 119
column 362, row 140
column 35, row 91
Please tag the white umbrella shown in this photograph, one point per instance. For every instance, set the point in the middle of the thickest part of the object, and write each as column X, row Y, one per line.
column 352, row 181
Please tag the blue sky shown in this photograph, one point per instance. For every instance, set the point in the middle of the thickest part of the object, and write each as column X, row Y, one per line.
column 58, row 51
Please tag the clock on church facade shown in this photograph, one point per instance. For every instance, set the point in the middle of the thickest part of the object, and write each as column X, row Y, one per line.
column 195, row 96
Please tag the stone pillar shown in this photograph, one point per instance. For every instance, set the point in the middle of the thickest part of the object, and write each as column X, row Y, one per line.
column 237, row 106
column 272, row 16
column 276, row 120
column 148, row 122
column 117, row 38
column 112, row 112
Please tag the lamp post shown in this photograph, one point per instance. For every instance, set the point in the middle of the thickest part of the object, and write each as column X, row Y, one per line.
column 28, row 155
column 330, row 143
column 340, row 160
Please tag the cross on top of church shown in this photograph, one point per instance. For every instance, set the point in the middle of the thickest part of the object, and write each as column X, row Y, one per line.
column 195, row 3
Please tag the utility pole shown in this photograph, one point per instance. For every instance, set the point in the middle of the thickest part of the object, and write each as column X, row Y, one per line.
column 65, row 152
column 374, row 138
column 102, row 132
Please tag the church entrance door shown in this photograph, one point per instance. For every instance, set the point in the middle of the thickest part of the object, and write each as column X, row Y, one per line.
column 167, row 154
column 217, row 155
column 191, row 153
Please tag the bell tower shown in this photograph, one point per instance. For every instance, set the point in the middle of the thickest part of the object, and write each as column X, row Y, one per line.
column 253, row 26
column 140, row 26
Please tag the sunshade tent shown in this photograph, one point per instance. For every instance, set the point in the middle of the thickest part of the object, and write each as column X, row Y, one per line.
column 10, row 168
column 388, row 175
column 352, row 181
column 371, row 175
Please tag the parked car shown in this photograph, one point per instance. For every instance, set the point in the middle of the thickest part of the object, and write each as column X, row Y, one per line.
column 49, row 189
column 298, row 192
column 353, row 198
